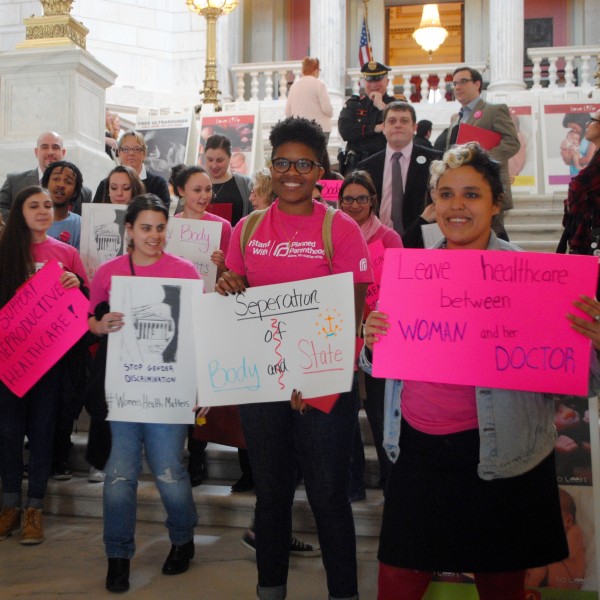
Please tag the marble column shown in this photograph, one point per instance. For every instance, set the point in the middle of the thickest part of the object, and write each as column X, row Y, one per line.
column 58, row 89
column 328, row 43
column 506, row 27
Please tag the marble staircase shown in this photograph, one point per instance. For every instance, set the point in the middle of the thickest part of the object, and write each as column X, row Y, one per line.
column 216, row 505
column 535, row 222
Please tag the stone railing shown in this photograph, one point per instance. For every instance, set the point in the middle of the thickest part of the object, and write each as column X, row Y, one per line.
column 419, row 83
column 262, row 77
column 555, row 67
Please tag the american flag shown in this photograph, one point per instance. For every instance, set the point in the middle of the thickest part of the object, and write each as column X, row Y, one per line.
column 365, row 53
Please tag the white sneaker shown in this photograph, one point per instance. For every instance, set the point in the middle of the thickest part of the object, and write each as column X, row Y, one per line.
column 95, row 475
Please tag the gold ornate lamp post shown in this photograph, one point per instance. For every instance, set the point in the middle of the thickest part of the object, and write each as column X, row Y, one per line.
column 211, row 10
column 55, row 28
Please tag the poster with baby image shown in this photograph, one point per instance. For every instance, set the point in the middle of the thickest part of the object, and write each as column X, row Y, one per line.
column 565, row 151
column 243, row 132
column 196, row 240
column 260, row 345
column 170, row 140
column 103, row 234
column 150, row 370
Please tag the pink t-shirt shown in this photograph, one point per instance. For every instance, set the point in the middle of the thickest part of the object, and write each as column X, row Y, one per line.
column 290, row 248
column 167, row 265
column 439, row 408
column 66, row 255
column 225, row 228
column 389, row 237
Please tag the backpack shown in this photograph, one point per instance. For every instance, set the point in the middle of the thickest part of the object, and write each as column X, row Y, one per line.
column 253, row 220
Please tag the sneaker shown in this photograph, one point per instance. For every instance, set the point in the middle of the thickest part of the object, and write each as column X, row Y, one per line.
column 32, row 531
column 10, row 519
column 96, row 475
column 300, row 548
column 249, row 541
column 297, row 547
column 61, row 472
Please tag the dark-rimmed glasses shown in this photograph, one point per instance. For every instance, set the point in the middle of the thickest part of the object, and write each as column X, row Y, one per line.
column 302, row 165
column 462, row 81
column 128, row 149
column 592, row 120
column 348, row 200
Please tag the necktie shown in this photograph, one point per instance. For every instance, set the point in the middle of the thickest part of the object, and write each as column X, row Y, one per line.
column 397, row 193
column 454, row 132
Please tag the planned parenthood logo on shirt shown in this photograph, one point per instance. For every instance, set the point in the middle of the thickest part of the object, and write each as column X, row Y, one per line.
column 305, row 249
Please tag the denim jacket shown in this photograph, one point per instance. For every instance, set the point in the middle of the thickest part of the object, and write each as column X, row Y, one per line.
column 516, row 429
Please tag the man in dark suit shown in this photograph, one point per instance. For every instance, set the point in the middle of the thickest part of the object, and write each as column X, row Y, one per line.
column 132, row 152
column 404, row 164
column 49, row 149
column 467, row 84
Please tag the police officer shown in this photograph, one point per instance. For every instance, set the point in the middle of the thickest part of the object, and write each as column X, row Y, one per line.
column 360, row 121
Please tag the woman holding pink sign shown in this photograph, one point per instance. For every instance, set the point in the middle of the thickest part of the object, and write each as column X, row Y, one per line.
column 473, row 485
column 25, row 248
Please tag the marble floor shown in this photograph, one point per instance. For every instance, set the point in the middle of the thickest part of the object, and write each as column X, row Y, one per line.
column 71, row 564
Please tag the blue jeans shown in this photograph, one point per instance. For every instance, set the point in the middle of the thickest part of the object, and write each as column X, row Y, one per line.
column 164, row 452
column 33, row 416
column 275, row 435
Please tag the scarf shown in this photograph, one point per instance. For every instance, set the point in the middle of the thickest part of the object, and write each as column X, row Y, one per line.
column 370, row 227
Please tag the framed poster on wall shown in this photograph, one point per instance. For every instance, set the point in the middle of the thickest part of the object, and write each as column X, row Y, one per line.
column 565, row 151
column 170, row 139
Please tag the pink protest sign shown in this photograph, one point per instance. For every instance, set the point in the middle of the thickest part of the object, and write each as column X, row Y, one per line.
column 485, row 318
column 37, row 326
column 376, row 251
column 331, row 189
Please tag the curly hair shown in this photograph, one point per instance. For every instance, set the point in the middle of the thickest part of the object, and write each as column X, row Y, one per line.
column 64, row 164
column 301, row 130
column 263, row 184
column 472, row 155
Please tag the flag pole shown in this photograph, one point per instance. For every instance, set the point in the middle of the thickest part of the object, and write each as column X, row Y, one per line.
column 369, row 47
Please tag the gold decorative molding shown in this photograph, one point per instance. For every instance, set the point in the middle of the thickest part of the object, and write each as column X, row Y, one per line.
column 53, row 30
column 56, row 7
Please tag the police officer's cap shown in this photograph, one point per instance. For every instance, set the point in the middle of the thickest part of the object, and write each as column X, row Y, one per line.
column 374, row 71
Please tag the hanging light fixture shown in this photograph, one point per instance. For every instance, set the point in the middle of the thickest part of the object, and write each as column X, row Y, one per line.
column 211, row 10
column 430, row 35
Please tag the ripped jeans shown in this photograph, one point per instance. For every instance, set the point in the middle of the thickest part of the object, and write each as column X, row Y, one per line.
column 163, row 445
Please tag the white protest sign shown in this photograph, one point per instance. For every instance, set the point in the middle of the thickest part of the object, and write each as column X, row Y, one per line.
column 196, row 240
column 150, row 371
column 102, row 234
column 263, row 343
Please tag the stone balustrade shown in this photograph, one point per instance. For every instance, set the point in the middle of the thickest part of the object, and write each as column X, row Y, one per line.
column 262, row 77
column 563, row 66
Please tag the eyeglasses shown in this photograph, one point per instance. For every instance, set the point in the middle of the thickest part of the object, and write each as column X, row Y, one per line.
column 463, row 81
column 131, row 150
column 302, row 166
column 350, row 199
column 592, row 120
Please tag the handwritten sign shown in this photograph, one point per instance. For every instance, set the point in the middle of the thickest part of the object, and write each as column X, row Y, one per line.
column 102, row 234
column 376, row 252
column 485, row 318
column 273, row 339
column 37, row 326
column 196, row 240
column 150, row 371
column 331, row 189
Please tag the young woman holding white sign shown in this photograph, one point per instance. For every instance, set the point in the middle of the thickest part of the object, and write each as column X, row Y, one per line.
column 473, row 486
column 276, row 431
column 24, row 249
column 146, row 222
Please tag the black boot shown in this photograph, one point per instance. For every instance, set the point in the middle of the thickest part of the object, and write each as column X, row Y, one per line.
column 179, row 558
column 246, row 481
column 117, row 578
